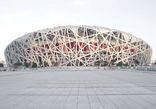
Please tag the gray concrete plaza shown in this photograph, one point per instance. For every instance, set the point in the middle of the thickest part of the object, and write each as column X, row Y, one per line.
column 78, row 89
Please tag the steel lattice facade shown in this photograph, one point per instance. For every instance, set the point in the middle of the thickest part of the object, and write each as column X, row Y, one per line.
column 78, row 46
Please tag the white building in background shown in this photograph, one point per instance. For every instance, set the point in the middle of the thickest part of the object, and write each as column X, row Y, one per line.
column 77, row 46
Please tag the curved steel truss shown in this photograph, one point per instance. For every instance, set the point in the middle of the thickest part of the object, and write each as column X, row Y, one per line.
column 77, row 46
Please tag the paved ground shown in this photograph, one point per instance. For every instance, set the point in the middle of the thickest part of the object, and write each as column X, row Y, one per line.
column 87, row 89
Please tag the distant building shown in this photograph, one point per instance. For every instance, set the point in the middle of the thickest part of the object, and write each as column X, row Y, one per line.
column 78, row 46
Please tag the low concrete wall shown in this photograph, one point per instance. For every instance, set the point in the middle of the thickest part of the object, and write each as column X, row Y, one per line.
column 146, row 68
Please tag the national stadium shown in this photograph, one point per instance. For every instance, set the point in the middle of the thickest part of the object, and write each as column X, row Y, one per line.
column 78, row 46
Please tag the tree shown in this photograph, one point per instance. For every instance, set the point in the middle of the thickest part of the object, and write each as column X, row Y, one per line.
column 26, row 64
column 121, row 64
column 17, row 64
column 1, row 65
column 34, row 65
column 136, row 62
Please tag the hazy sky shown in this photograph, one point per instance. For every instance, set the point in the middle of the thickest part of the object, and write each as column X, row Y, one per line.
column 18, row 17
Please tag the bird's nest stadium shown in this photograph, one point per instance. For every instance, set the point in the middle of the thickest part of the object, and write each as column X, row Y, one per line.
column 77, row 46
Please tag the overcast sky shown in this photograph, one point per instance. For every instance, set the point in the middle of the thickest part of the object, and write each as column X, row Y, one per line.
column 18, row 17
